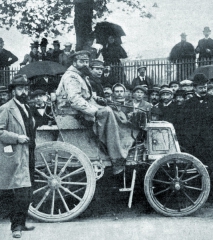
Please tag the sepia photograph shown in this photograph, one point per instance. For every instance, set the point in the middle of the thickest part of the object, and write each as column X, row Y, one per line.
column 106, row 119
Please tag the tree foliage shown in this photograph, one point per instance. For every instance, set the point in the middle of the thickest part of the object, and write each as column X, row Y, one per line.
column 53, row 17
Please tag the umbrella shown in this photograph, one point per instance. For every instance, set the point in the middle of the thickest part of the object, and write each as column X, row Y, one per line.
column 105, row 29
column 42, row 68
column 207, row 70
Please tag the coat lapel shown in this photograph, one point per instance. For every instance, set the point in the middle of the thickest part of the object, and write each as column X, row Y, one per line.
column 17, row 115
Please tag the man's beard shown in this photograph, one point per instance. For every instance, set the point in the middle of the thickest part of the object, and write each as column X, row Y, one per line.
column 154, row 101
column 22, row 98
column 85, row 71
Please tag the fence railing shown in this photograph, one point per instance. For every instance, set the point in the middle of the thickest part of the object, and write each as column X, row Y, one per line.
column 161, row 71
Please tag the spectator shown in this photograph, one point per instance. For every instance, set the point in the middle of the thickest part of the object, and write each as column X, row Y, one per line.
column 154, row 95
column 142, row 79
column 166, row 104
column 186, row 85
column 6, row 57
column 210, row 89
column 107, row 78
column 112, row 52
column 97, row 67
column 174, row 85
column 56, row 51
column 65, row 57
column 34, row 55
column 179, row 97
column 44, row 55
column 40, row 111
column 4, row 95
column 182, row 50
column 205, row 45
column 107, row 92
column 17, row 134
column 189, row 94
column 118, row 92
column 198, row 115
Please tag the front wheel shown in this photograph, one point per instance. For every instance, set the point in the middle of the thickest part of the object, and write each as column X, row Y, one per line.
column 64, row 182
column 177, row 185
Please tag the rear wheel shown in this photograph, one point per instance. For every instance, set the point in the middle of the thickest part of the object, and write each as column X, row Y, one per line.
column 177, row 185
column 64, row 182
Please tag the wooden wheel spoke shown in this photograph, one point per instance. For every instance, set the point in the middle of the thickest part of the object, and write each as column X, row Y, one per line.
column 41, row 173
column 63, row 200
column 75, row 183
column 167, row 200
column 162, row 191
column 53, row 203
column 39, row 189
column 188, row 197
column 56, row 163
column 40, row 181
column 79, row 170
column 194, row 188
column 176, row 169
column 71, row 193
column 161, row 181
column 43, row 199
column 65, row 165
column 185, row 170
column 191, row 178
column 78, row 190
column 46, row 164
column 167, row 173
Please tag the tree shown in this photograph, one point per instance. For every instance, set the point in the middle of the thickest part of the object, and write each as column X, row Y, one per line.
column 54, row 17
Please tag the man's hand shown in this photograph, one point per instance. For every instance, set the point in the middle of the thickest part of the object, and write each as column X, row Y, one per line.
column 23, row 139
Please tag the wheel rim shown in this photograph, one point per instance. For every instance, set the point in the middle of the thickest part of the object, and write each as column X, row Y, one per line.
column 64, row 184
column 178, row 187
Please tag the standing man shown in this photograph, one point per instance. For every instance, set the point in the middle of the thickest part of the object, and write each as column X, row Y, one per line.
column 205, row 45
column 56, row 51
column 198, row 122
column 6, row 57
column 65, row 56
column 142, row 79
column 17, row 144
column 4, row 96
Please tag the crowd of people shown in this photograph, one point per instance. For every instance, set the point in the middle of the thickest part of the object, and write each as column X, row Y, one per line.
column 94, row 93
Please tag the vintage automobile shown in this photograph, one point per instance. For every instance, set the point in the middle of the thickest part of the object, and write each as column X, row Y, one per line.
column 69, row 161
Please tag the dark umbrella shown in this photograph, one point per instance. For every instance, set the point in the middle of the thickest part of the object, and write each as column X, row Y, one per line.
column 207, row 70
column 42, row 68
column 105, row 29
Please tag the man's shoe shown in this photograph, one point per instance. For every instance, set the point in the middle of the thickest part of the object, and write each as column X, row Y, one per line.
column 16, row 234
column 25, row 228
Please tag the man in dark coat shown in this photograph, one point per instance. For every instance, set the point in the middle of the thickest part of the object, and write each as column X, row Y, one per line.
column 17, row 144
column 205, row 45
column 4, row 95
column 6, row 57
column 198, row 122
column 56, row 51
column 142, row 79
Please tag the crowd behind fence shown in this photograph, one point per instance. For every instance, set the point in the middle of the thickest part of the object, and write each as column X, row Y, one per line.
column 161, row 71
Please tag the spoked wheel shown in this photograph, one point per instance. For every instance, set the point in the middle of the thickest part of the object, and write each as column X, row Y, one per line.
column 177, row 185
column 64, row 182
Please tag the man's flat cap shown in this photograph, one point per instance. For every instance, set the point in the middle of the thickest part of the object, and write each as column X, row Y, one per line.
column 154, row 89
column 142, row 67
column 83, row 55
column 97, row 63
column 139, row 87
column 200, row 79
column 186, row 82
column 166, row 90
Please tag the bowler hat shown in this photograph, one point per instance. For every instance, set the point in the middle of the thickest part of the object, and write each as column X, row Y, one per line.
column 139, row 87
column 3, row 89
column 142, row 67
column 18, row 80
column 200, row 79
column 206, row 29
column 97, row 63
column 37, row 92
column 166, row 90
column 83, row 55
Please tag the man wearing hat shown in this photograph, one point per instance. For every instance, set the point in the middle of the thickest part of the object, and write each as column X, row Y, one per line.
column 174, row 85
column 142, row 79
column 65, row 56
column 6, row 57
column 4, row 96
column 205, row 45
column 186, row 85
column 181, row 52
column 97, row 67
column 154, row 95
column 198, row 122
column 17, row 144
column 56, row 51
column 166, row 103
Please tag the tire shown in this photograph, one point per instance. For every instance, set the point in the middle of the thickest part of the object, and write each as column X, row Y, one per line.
column 64, row 182
column 177, row 185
